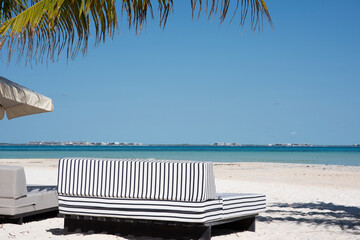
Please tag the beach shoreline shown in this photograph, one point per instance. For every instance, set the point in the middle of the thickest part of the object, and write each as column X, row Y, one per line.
column 304, row 201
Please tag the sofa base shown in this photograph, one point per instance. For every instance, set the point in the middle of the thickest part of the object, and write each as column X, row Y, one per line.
column 150, row 228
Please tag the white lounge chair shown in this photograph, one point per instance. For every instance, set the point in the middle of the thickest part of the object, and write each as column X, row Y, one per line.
column 18, row 200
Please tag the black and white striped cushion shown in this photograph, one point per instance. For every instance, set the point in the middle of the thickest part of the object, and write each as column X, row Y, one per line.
column 196, row 212
column 237, row 204
column 226, row 206
column 138, row 179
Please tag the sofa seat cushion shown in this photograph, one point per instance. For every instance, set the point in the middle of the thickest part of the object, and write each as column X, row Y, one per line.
column 226, row 206
column 160, row 210
column 242, row 204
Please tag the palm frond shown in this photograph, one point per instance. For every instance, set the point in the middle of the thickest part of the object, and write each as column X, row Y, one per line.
column 48, row 27
column 10, row 8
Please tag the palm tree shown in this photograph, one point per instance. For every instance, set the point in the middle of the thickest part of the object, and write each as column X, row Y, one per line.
column 41, row 29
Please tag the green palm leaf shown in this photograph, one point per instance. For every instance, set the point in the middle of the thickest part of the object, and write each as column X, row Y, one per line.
column 9, row 9
column 48, row 27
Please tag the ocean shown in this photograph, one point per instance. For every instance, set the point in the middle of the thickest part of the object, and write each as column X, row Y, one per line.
column 332, row 155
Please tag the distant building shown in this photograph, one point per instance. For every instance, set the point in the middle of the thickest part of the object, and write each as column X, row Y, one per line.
column 219, row 144
column 226, row 144
column 82, row 143
column 130, row 144
column 301, row 144
column 77, row 143
column 134, row 144
column 280, row 144
column 290, row 144
column 44, row 143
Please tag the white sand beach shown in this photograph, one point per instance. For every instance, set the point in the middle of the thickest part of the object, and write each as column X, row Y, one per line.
column 303, row 201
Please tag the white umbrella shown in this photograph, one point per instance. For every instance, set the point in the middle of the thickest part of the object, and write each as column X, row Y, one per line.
column 19, row 101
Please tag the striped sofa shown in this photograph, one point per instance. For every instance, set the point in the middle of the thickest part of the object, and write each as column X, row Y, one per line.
column 149, row 197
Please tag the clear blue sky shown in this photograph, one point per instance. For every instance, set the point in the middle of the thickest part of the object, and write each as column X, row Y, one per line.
column 198, row 82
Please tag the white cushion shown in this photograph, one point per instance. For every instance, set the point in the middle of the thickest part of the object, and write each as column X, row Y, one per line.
column 12, row 182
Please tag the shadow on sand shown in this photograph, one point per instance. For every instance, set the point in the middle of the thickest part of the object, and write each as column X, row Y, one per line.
column 34, row 218
column 319, row 213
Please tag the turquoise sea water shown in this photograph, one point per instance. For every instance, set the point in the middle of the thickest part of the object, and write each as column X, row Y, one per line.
column 309, row 155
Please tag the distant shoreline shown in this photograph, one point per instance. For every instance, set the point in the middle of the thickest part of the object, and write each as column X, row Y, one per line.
column 331, row 155
column 180, row 145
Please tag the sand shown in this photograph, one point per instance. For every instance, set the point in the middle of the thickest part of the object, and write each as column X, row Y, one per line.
column 303, row 201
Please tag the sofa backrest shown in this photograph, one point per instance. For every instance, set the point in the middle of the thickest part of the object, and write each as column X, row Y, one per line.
column 12, row 182
column 135, row 178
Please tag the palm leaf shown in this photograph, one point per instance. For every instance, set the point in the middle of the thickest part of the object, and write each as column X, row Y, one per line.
column 48, row 27
column 10, row 8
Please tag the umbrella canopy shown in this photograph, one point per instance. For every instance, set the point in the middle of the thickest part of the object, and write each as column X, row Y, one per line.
column 19, row 101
